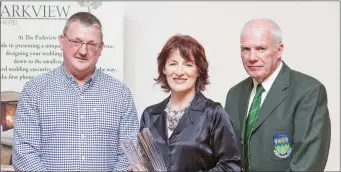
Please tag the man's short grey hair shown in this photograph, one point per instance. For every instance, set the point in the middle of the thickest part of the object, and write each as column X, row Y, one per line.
column 85, row 18
column 277, row 35
column 275, row 30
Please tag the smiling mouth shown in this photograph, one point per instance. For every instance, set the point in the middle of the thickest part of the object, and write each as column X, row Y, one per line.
column 179, row 80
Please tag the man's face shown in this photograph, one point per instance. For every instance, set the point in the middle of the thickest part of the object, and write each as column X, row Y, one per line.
column 81, row 58
column 259, row 54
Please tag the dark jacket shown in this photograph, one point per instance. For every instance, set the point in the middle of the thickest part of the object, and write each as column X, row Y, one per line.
column 203, row 140
column 295, row 108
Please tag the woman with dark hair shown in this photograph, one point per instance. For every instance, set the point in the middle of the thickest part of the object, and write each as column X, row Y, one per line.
column 191, row 132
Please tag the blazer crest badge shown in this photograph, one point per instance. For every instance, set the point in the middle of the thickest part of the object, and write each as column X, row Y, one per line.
column 282, row 146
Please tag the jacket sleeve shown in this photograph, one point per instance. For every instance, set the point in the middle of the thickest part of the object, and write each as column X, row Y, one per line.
column 312, row 132
column 224, row 144
column 26, row 134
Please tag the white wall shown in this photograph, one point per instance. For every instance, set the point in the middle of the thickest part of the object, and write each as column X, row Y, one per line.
column 311, row 33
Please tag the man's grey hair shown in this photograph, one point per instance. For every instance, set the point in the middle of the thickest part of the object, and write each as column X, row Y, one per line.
column 85, row 18
column 275, row 30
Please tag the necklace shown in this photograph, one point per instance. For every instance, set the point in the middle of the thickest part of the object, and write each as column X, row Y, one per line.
column 174, row 116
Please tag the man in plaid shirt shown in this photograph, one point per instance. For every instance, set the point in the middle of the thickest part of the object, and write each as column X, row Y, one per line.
column 74, row 117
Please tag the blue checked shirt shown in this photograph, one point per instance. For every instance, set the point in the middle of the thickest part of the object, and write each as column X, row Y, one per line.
column 60, row 126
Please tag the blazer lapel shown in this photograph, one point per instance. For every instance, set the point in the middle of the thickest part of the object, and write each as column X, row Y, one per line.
column 243, row 105
column 276, row 95
column 160, row 126
column 160, row 121
column 198, row 104
column 185, row 121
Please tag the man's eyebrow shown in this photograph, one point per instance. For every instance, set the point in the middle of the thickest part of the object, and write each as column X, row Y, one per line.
column 262, row 45
column 90, row 41
column 244, row 46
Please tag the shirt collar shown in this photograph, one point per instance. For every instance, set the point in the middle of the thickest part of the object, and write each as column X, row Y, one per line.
column 70, row 78
column 267, row 83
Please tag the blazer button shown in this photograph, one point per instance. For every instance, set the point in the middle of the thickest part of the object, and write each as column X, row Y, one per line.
column 242, row 169
column 242, row 142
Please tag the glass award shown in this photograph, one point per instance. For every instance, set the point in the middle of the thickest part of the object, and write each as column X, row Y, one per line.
column 142, row 153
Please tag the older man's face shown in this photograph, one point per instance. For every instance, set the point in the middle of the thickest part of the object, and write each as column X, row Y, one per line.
column 259, row 54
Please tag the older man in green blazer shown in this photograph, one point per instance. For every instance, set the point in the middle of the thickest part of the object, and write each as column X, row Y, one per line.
column 280, row 116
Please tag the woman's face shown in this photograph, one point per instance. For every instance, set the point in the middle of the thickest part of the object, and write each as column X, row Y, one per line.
column 181, row 74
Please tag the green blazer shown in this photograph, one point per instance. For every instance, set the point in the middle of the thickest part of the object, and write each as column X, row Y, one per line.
column 292, row 131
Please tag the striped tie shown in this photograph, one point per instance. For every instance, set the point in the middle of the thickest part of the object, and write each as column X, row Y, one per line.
column 250, row 123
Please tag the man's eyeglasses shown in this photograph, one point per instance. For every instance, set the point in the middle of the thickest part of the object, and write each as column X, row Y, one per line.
column 77, row 44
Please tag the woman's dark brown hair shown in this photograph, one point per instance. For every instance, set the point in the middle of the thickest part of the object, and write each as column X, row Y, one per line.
column 188, row 47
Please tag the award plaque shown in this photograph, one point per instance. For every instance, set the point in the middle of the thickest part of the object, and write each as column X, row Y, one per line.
column 142, row 153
